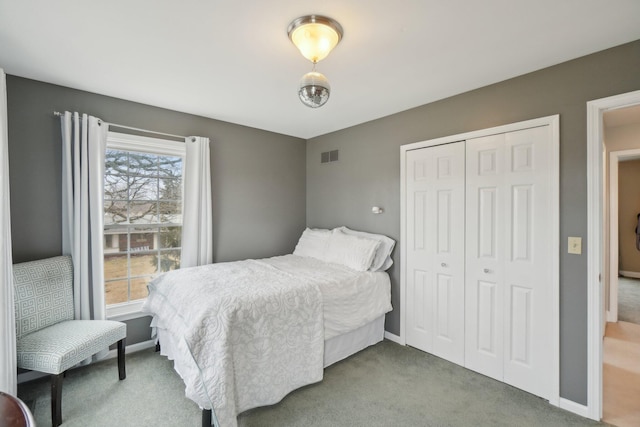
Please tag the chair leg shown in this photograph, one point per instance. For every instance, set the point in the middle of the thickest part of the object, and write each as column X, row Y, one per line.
column 206, row 418
column 122, row 373
column 56, row 399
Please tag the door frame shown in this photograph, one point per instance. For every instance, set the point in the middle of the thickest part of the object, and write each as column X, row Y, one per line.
column 554, row 156
column 595, row 251
column 615, row 157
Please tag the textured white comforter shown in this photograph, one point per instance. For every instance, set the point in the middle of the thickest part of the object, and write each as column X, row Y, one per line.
column 246, row 333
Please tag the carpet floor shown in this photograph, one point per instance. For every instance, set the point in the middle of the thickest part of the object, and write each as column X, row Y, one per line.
column 629, row 300
column 384, row 385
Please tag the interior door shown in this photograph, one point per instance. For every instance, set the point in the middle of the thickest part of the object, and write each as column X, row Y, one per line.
column 435, row 179
column 485, row 250
column 528, row 263
column 508, row 261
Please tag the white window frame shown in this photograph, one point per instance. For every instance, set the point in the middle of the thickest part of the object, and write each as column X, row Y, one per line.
column 121, row 141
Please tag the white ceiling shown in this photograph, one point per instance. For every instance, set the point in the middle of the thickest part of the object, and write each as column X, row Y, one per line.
column 231, row 60
column 622, row 117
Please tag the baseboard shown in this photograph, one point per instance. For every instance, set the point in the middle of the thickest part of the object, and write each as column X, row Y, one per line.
column 30, row 376
column 131, row 348
column 632, row 274
column 610, row 317
column 34, row 375
column 576, row 408
column 393, row 337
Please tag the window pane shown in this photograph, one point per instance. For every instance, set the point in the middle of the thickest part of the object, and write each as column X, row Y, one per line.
column 115, row 266
column 139, row 288
column 170, row 212
column 115, row 240
column 115, row 187
column 144, row 264
column 116, row 162
column 143, row 188
column 170, row 166
column 143, row 212
column 143, row 239
column 143, row 221
column 169, row 260
column 171, row 189
column 116, row 292
column 143, row 164
column 115, row 212
column 170, row 237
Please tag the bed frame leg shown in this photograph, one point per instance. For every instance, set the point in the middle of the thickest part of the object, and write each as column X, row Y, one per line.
column 206, row 418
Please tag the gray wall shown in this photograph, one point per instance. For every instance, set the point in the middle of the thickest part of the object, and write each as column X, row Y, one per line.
column 368, row 172
column 258, row 177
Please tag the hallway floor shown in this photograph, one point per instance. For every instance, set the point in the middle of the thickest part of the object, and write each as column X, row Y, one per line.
column 621, row 374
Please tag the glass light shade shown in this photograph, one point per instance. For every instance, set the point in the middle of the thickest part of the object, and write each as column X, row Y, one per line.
column 315, row 36
column 314, row 89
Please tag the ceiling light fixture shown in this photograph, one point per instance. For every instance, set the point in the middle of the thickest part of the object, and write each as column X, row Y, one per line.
column 315, row 36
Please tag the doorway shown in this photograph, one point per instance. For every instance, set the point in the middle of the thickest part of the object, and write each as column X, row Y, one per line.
column 598, row 258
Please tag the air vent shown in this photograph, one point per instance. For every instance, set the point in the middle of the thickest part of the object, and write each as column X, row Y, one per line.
column 329, row 156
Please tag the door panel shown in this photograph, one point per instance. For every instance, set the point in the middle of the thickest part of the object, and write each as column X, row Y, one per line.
column 507, row 239
column 485, row 249
column 435, row 242
column 528, row 268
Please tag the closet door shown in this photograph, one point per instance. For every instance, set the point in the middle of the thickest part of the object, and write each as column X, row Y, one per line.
column 528, row 263
column 435, row 250
column 485, row 252
column 508, row 258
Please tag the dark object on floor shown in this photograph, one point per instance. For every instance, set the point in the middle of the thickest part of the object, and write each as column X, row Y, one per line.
column 14, row 413
column 49, row 340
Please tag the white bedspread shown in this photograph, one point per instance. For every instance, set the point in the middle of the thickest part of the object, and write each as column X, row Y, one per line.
column 247, row 333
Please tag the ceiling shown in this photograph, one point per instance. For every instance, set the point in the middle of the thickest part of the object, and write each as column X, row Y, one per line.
column 232, row 61
column 622, row 117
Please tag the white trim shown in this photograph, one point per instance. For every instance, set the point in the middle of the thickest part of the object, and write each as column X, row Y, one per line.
column 576, row 408
column 30, row 376
column 542, row 121
column 144, row 144
column 612, row 310
column 595, row 293
column 554, row 123
column 632, row 274
column 126, row 310
column 615, row 157
column 131, row 348
column 393, row 337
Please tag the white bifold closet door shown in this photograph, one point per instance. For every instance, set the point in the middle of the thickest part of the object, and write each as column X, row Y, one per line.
column 435, row 185
column 508, row 266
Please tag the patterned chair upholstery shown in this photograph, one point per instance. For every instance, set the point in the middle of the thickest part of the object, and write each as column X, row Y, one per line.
column 48, row 339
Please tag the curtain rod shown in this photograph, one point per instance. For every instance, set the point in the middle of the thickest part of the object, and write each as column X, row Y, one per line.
column 59, row 114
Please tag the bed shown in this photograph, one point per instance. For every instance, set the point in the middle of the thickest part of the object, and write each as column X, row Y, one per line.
column 244, row 334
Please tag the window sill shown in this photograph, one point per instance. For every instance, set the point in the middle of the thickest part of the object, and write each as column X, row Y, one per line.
column 126, row 311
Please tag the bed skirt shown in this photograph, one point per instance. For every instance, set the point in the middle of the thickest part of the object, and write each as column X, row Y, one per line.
column 343, row 346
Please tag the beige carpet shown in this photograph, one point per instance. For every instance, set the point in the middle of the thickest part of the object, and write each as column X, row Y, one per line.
column 621, row 375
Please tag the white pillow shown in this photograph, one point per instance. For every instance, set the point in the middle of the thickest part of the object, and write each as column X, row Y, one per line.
column 313, row 243
column 382, row 260
column 352, row 251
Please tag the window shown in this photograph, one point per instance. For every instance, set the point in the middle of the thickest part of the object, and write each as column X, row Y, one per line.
column 142, row 216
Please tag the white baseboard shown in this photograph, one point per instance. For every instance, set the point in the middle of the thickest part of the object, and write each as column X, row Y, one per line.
column 610, row 317
column 30, row 376
column 131, row 348
column 576, row 408
column 629, row 274
column 393, row 337
column 34, row 375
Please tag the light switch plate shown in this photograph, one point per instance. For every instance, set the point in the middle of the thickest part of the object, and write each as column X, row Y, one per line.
column 575, row 245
